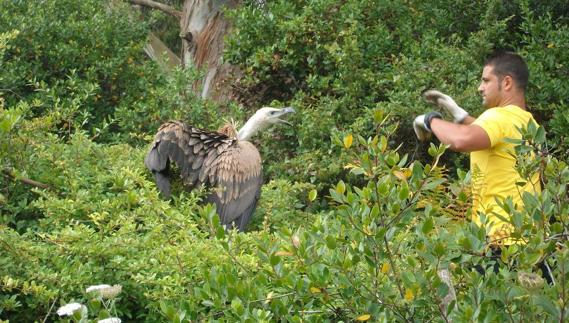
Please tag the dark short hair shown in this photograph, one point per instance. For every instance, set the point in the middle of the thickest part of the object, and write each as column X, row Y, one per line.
column 509, row 63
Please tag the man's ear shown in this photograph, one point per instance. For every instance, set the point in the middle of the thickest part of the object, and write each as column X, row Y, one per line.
column 508, row 82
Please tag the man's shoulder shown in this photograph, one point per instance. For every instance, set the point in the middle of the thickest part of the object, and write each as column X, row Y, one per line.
column 506, row 112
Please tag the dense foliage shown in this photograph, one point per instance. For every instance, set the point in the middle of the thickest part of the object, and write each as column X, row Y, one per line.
column 357, row 220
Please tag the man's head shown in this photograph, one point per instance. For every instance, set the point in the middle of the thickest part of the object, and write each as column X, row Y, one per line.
column 505, row 77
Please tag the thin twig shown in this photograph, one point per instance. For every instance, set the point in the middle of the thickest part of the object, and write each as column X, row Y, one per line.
column 272, row 297
column 228, row 251
column 49, row 312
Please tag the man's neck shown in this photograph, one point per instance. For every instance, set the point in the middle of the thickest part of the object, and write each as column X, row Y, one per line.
column 518, row 101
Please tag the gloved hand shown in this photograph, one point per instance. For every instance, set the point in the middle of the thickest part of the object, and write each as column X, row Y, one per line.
column 446, row 102
column 422, row 125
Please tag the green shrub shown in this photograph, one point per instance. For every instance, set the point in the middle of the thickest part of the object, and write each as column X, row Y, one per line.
column 377, row 255
column 103, row 222
column 83, row 65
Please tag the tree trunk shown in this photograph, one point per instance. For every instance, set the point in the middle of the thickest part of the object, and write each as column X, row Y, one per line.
column 202, row 29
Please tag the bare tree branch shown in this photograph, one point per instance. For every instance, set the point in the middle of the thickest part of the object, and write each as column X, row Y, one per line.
column 160, row 6
column 26, row 181
column 159, row 52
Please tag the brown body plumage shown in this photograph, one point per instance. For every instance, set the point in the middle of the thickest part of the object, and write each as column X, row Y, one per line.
column 229, row 166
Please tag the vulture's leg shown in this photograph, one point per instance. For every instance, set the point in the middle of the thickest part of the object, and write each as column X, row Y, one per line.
column 236, row 225
column 230, row 226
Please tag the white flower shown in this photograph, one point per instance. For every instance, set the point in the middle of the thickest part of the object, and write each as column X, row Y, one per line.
column 530, row 280
column 69, row 309
column 105, row 291
column 110, row 320
column 97, row 288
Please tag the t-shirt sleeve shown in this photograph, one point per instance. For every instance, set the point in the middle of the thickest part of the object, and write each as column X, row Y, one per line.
column 491, row 121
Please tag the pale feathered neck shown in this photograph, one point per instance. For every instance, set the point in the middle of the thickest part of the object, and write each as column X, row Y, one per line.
column 253, row 125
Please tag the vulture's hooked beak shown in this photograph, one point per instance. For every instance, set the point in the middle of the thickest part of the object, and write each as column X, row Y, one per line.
column 286, row 111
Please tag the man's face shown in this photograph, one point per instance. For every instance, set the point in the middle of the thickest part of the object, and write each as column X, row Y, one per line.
column 490, row 88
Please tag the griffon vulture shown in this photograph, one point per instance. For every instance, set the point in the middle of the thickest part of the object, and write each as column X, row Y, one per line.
column 223, row 161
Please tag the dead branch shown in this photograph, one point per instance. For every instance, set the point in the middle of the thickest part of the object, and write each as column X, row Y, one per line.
column 159, row 52
column 26, row 181
column 160, row 6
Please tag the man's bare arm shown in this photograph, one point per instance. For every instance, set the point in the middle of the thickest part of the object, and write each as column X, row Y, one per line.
column 461, row 137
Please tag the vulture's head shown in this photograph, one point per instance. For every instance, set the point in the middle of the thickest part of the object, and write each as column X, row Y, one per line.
column 268, row 116
column 262, row 119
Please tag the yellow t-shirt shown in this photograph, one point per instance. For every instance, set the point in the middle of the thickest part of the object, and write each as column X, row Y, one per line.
column 493, row 170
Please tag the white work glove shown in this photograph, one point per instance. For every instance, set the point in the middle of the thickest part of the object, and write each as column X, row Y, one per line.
column 422, row 125
column 446, row 102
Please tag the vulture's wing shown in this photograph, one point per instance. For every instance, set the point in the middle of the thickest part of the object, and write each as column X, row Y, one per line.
column 237, row 183
column 192, row 149
column 230, row 167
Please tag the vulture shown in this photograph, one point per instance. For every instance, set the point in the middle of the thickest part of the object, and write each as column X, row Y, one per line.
column 223, row 161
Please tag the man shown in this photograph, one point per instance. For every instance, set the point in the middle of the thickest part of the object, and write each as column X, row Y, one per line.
column 492, row 163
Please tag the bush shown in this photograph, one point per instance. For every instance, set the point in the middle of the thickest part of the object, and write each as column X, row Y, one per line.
column 82, row 65
column 103, row 222
column 379, row 253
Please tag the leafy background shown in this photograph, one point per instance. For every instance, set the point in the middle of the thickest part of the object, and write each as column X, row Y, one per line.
column 356, row 218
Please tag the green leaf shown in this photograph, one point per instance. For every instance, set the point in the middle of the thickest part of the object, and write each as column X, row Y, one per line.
column 442, row 290
column 383, row 189
column 433, row 184
column 237, row 306
column 336, row 140
column 374, row 211
column 433, row 151
column 5, row 126
column 357, row 171
column 312, row 195
column 548, row 306
column 341, row 187
column 378, row 116
column 408, row 278
column 428, row 225
column 338, row 198
column 532, row 257
column 383, row 143
column 274, row 260
column 331, row 242
column 95, row 304
column 540, row 136
column 417, row 172
column 439, row 249
column 404, row 192
column 207, row 303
